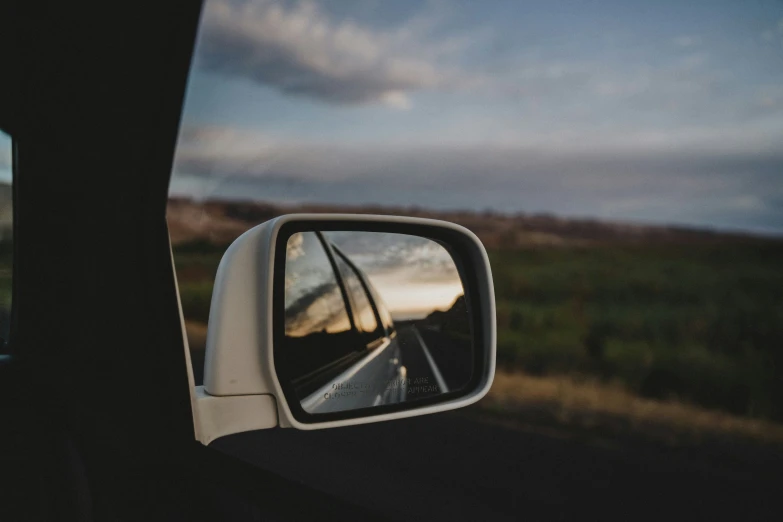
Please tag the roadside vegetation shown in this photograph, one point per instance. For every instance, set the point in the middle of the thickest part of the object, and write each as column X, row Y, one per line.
column 699, row 324
column 588, row 408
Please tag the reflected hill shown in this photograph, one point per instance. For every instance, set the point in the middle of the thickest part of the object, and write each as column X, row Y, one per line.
column 446, row 334
column 454, row 320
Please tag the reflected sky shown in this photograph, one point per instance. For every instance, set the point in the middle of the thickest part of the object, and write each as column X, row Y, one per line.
column 413, row 275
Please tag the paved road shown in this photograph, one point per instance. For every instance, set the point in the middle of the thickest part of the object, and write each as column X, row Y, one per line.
column 415, row 362
column 449, row 467
column 453, row 356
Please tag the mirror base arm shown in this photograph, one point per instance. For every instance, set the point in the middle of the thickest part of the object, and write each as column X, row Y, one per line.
column 218, row 416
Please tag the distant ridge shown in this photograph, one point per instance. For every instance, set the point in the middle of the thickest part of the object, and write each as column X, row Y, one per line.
column 220, row 222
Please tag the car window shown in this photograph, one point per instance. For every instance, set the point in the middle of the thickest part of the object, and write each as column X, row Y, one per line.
column 383, row 310
column 6, row 235
column 620, row 162
column 363, row 313
column 313, row 300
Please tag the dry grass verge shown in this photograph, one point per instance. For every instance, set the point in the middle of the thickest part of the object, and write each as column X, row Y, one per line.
column 611, row 409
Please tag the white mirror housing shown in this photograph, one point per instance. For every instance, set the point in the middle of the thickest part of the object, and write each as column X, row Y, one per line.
column 242, row 390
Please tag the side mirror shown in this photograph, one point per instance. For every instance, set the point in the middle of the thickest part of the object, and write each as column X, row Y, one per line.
column 326, row 320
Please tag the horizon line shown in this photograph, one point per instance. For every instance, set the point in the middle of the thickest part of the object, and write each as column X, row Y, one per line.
column 672, row 226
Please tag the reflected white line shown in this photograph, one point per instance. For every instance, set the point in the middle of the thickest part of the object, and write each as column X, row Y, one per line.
column 402, row 374
column 431, row 361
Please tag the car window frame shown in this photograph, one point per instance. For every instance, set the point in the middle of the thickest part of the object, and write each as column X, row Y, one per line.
column 354, row 349
column 368, row 289
column 338, row 276
column 375, row 339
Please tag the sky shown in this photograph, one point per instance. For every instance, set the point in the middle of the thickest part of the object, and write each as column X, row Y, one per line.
column 414, row 276
column 654, row 112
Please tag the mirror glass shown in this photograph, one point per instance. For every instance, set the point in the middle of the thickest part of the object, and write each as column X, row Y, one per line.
column 371, row 319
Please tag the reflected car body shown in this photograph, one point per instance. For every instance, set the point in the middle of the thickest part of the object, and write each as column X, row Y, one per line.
column 341, row 342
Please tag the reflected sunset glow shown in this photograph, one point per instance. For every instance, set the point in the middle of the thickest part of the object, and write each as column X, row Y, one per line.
column 414, row 300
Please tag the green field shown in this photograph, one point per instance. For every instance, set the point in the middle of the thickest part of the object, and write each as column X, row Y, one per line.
column 699, row 324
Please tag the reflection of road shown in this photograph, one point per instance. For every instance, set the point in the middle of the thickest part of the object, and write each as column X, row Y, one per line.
column 448, row 467
column 452, row 355
column 421, row 369
column 435, row 358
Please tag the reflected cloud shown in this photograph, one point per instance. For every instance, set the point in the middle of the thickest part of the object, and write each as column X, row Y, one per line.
column 313, row 301
column 413, row 275
column 318, row 310
column 294, row 247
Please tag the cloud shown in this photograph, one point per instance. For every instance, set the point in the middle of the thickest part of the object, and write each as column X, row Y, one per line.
column 299, row 50
column 225, row 148
column 774, row 35
column 686, row 41
column 680, row 79
column 733, row 189
column 626, row 85
column 749, row 202
column 770, row 97
column 726, row 177
column 220, row 151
